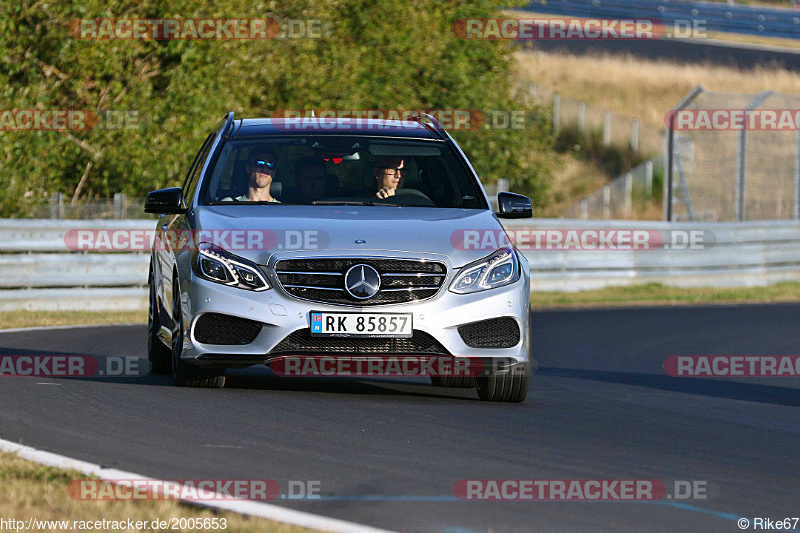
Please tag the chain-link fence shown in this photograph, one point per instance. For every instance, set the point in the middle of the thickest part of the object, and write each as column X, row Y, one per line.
column 587, row 119
column 734, row 157
column 57, row 207
column 633, row 195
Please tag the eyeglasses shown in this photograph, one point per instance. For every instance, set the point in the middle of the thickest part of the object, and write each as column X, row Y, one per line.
column 393, row 170
column 261, row 165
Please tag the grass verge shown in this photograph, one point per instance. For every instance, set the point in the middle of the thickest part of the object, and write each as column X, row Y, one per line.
column 30, row 490
column 640, row 88
column 29, row 319
column 657, row 294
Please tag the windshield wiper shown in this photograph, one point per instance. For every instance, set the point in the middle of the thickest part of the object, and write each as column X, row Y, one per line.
column 340, row 202
column 243, row 202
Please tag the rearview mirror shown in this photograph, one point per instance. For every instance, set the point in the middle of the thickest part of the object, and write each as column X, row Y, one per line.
column 510, row 205
column 165, row 202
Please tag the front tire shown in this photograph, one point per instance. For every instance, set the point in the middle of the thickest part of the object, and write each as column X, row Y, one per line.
column 159, row 355
column 184, row 374
column 510, row 387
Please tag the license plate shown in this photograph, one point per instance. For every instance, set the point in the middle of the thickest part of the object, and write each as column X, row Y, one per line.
column 361, row 324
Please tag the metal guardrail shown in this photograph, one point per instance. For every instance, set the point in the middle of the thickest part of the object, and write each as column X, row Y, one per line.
column 772, row 22
column 744, row 255
column 38, row 271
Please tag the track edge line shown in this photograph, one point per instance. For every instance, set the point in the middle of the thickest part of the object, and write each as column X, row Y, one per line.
column 245, row 507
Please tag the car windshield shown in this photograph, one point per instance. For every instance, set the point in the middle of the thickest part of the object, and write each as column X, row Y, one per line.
column 331, row 170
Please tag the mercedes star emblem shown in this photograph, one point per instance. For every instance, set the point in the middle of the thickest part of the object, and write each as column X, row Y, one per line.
column 362, row 281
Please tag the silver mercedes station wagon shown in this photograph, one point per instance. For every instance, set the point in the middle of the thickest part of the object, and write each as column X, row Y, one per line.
column 340, row 238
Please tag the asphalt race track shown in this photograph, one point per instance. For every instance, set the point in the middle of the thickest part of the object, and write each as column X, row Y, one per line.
column 387, row 453
column 722, row 53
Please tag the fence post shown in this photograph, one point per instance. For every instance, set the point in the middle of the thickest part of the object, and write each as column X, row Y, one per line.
column 797, row 177
column 532, row 91
column 741, row 158
column 119, row 205
column 669, row 141
column 584, row 209
column 57, row 205
column 667, row 185
column 648, row 179
column 502, row 185
column 607, row 202
column 606, row 127
column 556, row 112
column 628, row 193
column 581, row 117
column 741, row 162
column 635, row 135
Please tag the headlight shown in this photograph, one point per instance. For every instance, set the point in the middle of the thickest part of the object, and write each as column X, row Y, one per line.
column 215, row 264
column 500, row 268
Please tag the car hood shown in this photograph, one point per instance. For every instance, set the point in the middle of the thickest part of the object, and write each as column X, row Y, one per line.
column 258, row 231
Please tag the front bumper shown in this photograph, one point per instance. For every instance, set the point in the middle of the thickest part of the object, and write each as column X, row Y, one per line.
column 283, row 314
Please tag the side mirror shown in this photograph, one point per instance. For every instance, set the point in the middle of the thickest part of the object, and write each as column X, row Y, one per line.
column 165, row 202
column 510, row 205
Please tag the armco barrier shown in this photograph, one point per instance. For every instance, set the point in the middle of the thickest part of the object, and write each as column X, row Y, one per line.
column 772, row 22
column 745, row 254
column 39, row 272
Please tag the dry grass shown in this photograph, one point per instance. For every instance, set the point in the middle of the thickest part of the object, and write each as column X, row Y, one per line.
column 27, row 319
column 645, row 211
column 572, row 179
column 643, row 89
column 29, row 490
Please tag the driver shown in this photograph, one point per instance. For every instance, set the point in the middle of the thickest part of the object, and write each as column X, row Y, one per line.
column 388, row 173
column 261, row 170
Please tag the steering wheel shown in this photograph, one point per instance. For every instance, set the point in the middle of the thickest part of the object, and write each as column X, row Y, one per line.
column 413, row 197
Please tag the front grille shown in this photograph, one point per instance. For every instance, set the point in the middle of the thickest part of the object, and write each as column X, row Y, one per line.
column 214, row 328
column 322, row 279
column 500, row 332
column 301, row 342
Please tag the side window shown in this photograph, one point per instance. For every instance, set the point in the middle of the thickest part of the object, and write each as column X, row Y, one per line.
column 190, row 184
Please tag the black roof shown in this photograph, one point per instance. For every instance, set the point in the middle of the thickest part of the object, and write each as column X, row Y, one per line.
column 259, row 127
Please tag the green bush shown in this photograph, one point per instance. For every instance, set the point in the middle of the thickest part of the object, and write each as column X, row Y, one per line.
column 614, row 160
column 380, row 54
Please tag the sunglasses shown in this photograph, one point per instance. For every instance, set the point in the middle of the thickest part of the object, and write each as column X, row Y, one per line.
column 393, row 170
column 260, row 164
